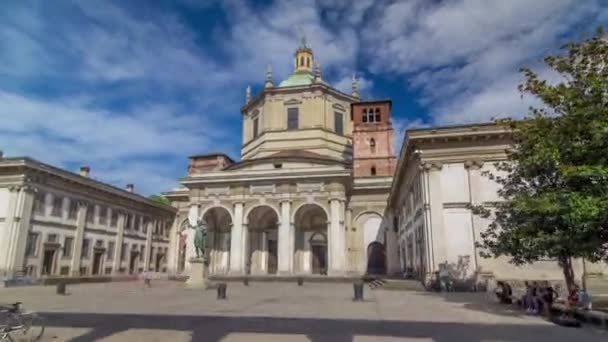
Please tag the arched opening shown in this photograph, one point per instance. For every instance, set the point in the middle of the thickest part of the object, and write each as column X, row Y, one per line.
column 261, row 254
column 308, row 62
column 373, row 171
column 376, row 258
column 219, row 224
column 373, row 259
column 302, row 61
column 310, row 252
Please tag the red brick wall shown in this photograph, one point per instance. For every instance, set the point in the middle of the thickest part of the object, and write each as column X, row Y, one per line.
column 207, row 163
column 382, row 158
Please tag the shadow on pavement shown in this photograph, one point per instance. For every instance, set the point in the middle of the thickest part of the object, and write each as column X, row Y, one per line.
column 214, row 328
column 478, row 301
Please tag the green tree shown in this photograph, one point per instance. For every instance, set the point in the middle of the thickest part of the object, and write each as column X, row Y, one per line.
column 555, row 182
column 160, row 199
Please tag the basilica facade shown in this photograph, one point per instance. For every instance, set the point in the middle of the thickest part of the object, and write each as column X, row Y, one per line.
column 309, row 192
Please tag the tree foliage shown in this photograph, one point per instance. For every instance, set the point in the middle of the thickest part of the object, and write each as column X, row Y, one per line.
column 555, row 181
column 160, row 199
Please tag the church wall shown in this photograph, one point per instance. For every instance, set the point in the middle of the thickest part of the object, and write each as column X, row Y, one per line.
column 316, row 110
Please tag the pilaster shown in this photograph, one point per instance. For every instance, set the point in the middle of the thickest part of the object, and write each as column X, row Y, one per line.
column 78, row 237
column 119, row 241
column 148, row 248
column 473, row 168
column 21, row 227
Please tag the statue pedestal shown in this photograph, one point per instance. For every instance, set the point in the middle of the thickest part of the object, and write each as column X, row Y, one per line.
column 199, row 270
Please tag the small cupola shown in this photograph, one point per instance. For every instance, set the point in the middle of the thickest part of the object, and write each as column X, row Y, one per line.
column 304, row 59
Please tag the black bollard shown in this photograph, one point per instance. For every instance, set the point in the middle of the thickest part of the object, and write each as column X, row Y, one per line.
column 246, row 281
column 61, row 288
column 221, row 291
column 358, row 288
column 300, row 281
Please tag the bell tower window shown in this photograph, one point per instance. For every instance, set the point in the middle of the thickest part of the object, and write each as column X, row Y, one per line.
column 377, row 115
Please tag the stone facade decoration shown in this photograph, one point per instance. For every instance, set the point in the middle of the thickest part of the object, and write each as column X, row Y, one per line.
column 54, row 223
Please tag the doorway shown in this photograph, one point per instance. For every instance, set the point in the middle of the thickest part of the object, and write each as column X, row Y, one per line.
column 97, row 255
column 48, row 261
column 376, row 259
column 159, row 258
column 319, row 259
column 272, row 256
column 132, row 262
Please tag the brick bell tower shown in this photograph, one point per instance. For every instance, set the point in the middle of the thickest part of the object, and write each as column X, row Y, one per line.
column 373, row 151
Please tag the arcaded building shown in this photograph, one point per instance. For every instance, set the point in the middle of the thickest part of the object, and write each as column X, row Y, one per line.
column 55, row 223
column 307, row 196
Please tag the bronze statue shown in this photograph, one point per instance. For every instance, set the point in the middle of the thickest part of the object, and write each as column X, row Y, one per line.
column 200, row 238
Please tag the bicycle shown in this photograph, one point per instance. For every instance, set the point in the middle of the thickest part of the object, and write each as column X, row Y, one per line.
column 19, row 325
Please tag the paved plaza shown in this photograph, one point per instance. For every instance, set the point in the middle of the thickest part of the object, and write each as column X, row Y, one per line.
column 279, row 312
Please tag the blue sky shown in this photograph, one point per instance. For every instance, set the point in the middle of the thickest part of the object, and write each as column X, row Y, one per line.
column 132, row 88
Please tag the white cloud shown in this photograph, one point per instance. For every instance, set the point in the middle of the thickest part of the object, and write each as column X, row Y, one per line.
column 464, row 55
column 63, row 132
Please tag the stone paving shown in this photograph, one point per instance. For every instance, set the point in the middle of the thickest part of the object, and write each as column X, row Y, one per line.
column 279, row 312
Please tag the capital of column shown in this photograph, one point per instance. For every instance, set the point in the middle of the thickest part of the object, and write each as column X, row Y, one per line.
column 473, row 164
column 14, row 188
column 431, row 166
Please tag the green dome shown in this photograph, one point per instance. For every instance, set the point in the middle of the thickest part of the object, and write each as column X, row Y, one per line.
column 298, row 79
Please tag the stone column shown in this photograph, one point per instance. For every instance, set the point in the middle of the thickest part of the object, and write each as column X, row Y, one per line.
column 236, row 241
column 77, row 248
column 172, row 256
column 117, row 262
column 285, row 237
column 264, row 253
column 148, row 247
column 336, row 239
column 245, row 259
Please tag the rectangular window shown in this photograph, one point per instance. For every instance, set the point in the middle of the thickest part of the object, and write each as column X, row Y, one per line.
column 292, row 118
column 123, row 252
column 90, row 213
column 114, row 218
column 339, row 123
column 57, row 206
column 377, row 115
column 103, row 215
column 73, row 210
column 85, row 249
column 142, row 251
column 129, row 222
column 110, row 250
column 136, row 225
column 255, row 128
column 39, row 204
column 364, row 118
column 31, row 245
column 67, row 246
